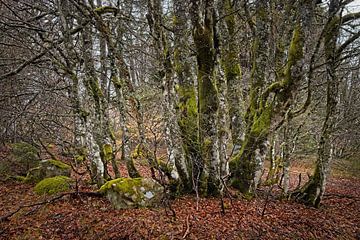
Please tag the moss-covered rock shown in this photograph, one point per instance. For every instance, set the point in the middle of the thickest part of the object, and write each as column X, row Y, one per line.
column 50, row 186
column 48, row 169
column 126, row 193
column 33, row 175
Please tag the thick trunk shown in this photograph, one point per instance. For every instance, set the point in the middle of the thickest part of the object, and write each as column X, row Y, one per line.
column 208, row 99
column 94, row 127
column 263, row 111
column 97, row 166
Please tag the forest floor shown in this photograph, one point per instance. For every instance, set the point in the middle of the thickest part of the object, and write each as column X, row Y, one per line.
column 94, row 218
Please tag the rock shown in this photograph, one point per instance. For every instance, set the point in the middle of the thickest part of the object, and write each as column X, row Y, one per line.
column 126, row 193
column 50, row 186
column 48, row 169
column 52, row 168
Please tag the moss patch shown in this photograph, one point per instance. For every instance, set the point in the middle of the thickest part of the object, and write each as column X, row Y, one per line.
column 49, row 186
column 59, row 164
column 133, row 192
column 122, row 185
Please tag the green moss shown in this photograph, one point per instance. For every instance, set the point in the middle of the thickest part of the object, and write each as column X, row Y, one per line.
column 108, row 152
column 125, row 185
column 33, row 175
column 20, row 178
column 96, row 90
column 295, row 53
column 79, row 158
column 59, row 164
column 105, row 9
column 261, row 124
column 112, row 134
column 50, row 186
column 83, row 113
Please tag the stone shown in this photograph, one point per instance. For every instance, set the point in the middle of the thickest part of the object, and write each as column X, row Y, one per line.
column 50, row 186
column 48, row 169
column 125, row 193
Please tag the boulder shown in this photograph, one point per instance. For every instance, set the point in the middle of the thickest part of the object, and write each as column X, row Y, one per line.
column 126, row 193
column 48, row 169
column 50, row 186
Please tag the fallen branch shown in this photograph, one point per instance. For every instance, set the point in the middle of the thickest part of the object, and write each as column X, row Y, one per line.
column 187, row 227
column 9, row 215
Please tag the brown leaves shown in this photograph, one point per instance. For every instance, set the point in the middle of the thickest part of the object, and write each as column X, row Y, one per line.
column 94, row 218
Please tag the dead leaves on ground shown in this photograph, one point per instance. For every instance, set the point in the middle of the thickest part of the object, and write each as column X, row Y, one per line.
column 94, row 218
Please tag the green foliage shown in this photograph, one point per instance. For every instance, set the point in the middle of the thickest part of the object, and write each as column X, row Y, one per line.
column 50, row 186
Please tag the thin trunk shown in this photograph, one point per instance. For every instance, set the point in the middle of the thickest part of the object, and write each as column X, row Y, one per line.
column 176, row 156
column 232, row 70
column 187, row 102
column 313, row 191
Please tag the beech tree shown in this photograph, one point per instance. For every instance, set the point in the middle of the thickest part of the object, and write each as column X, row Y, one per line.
column 226, row 85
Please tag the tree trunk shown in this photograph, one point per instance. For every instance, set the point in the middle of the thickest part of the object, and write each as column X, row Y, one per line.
column 176, row 158
column 313, row 191
column 208, row 98
column 264, row 113
column 187, row 101
column 94, row 126
column 232, row 70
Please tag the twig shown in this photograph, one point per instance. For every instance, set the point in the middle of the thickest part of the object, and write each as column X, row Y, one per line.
column 280, row 182
column 187, row 227
column 267, row 200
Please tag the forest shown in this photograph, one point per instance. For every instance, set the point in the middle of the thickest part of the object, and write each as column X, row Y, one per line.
column 179, row 119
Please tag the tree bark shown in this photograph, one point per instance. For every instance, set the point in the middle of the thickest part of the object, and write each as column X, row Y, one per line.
column 313, row 191
column 203, row 34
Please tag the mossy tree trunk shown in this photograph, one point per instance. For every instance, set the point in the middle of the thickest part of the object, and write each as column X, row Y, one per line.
column 203, row 35
column 69, row 68
column 93, row 120
column 176, row 159
column 112, row 33
column 232, row 70
column 267, row 105
column 313, row 191
column 187, row 100
column 109, row 144
column 247, row 164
